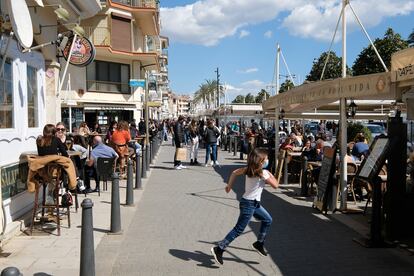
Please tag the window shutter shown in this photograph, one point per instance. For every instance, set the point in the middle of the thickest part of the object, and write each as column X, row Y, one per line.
column 121, row 33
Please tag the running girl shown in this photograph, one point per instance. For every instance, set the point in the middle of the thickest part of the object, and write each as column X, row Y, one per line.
column 256, row 178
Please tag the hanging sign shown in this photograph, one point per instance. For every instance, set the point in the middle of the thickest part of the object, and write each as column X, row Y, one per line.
column 83, row 51
column 137, row 83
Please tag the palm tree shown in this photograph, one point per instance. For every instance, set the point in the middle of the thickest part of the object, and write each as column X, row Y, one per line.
column 207, row 93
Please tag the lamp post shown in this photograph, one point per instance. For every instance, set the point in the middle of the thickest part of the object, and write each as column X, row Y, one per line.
column 352, row 109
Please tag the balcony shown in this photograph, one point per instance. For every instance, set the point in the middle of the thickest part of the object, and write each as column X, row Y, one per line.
column 146, row 13
column 99, row 36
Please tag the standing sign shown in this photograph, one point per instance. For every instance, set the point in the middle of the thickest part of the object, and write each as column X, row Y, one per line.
column 325, row 181
column 280, row 160
column 83, row 51
column 372, row 165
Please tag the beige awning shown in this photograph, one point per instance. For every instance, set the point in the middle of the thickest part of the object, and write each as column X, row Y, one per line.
column 309, row 96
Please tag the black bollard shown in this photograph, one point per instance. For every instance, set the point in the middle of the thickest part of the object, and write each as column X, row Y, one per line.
column 304, row 177
column 285, row 171
column 234, row 146
column 87, row 254
column 376, row 219
column 130, row 189
column 144, row 162
column 152, row 152
column 11, row 271
column 241, row 149
column 229, row 141
column 115, row 206
column 148, row 158
column 138, row 180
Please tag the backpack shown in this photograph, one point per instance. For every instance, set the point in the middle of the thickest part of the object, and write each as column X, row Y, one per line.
column 67, row 199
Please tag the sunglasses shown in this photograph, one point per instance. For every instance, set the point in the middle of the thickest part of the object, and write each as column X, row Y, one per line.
column 60, row 129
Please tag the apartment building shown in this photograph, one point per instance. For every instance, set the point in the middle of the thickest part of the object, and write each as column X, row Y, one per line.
column 126, row 35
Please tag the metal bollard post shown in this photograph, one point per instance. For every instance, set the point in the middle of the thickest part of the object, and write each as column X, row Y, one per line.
column 241, row 149
column 130, row 189
column 152, row 152
column 115, row 206
column 235, row 146
column 229, row 147
column 304, row 178
column 148, row 159
column 138, row 180
column 144, row 162
column 376, row 217
column 285, row 171
column 11, row 271
column 87, row 254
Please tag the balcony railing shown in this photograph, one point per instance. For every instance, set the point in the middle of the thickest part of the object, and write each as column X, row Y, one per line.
column 138, row 3
column 107, row 86
column 152, row 44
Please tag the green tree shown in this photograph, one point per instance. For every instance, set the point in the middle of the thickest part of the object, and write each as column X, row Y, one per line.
column 367, row 61
column 249, row 98
column 286, row 85
column 354, row 128
column 238, row 99
column 262, row 96
column 333, row 68
column 411, row 39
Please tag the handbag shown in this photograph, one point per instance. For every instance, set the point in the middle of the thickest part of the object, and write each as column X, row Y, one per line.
column 67, row 199
column 181, row 154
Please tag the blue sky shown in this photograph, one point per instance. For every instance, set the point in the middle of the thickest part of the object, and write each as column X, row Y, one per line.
column 240, row 37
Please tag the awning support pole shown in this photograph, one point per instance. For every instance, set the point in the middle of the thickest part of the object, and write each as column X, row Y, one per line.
column 343, row 123
column 276, row 136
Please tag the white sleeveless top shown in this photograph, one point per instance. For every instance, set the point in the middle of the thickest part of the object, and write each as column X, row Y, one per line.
column 254, row 186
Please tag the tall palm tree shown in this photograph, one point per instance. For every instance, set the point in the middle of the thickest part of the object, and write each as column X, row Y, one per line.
column 207, row 93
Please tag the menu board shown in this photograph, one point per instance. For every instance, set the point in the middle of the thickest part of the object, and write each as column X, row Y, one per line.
column 325, row 180
column 371, row 165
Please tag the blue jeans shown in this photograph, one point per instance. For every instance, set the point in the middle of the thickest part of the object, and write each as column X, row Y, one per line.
column 212, row 147
column 248, row 208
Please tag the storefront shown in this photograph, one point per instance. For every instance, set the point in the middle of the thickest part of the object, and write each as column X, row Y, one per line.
column 22, row 117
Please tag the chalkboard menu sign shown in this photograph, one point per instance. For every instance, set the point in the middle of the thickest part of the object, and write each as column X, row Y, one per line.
column 325, row 180
column 279, row 167
column 372, row 165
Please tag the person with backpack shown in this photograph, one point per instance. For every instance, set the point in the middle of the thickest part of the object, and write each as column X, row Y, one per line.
column 255, row 179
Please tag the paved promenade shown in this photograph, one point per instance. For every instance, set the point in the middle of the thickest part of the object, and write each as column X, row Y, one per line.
column 183, row 213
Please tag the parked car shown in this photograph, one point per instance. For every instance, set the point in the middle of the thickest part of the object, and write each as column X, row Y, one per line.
column 376, row 130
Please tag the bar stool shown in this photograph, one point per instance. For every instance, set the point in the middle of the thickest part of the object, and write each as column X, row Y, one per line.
column 54, row 171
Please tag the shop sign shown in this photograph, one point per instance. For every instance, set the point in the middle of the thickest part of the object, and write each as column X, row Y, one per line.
column 83, row 51
column 137, row 83
column 13, row 179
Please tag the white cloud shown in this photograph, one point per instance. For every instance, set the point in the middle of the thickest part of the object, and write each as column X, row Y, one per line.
column 248, row 70
column 244, row 33
column 251, row 86
column 206, row 22
column 268, row 34
column 317, row 19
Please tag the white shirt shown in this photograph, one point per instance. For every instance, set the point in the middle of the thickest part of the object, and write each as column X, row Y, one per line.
column 254, row 186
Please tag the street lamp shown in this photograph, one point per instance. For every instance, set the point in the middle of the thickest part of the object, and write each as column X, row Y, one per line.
column 352, row 109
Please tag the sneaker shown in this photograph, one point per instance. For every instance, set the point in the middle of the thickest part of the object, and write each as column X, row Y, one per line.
column 217, row 254
column 212, row 163
column 258, row 246
column 206, row 165
column 216, row 164
column 178, row 167
column 183, row 167
column 81, row 186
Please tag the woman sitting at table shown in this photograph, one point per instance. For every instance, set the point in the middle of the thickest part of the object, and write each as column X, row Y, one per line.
column 112, row 127
column 61, row 132
column 84, row 130
column 50, row 144
column 120, row 139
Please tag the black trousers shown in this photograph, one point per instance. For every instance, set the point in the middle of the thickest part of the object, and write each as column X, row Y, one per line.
column 177, row 162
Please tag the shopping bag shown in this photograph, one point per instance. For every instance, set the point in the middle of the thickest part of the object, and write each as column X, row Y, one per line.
column 181, row 154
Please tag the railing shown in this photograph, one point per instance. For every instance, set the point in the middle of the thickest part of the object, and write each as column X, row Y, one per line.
column 138, row 3
column 99, row 35
column 164, row 53
column 107, row 86
column 152, row 44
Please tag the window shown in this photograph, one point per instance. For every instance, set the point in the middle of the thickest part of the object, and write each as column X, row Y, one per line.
column 32, row 97
column 105, row 76
column 6, row 96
